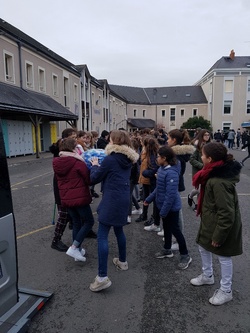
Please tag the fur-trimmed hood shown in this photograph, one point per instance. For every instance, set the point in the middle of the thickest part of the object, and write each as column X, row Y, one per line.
column 229, row 170
column 183, row 149
column 123, row 149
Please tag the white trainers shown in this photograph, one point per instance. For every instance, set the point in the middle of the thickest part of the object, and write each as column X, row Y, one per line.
column 98, row 285
column 152, row 227
column 83, row 252
column 220, row 297
column 160, row 233
column 75, row 253
column 129, row 219
column 123, row 266
column 201, row 280
column 137, row 211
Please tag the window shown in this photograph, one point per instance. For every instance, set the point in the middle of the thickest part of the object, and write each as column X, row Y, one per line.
column 248, row 107
column 66, row 91
column 75, row 92
column 163, row 113
column 55, row 84
column 29, row 75
column 248, row 85
column 41, row 77
column 9, row 67
column 182, row 112
column 144, row 113
column 135, row 113
column 228, row 86
column 227, row 107
column 195, row 112
column 226, row 126
column 172, row 114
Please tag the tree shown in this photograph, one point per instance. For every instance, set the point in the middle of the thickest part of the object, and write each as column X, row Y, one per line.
column 195, row 122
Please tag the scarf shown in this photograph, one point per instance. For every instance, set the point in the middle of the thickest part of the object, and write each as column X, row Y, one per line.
column 200, row 178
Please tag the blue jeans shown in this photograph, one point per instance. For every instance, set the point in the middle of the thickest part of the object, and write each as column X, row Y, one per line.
column 103, row 247
column 171, row 226
column 83, row 222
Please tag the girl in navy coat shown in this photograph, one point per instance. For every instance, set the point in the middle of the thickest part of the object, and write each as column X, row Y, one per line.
column 113, row 209
column 168, row 202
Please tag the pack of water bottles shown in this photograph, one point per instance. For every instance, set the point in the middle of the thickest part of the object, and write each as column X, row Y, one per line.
column 89, row 154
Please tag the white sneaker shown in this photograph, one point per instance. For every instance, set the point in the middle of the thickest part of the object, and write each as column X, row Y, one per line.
column 243, row 149
column 152, row 227
column 75, row 253
column 175, row 247
column 137, row 211
column 123, row 266
column 220, row 297
column 160, row 233
column 83, row 252
column 202, row 279
column 129, row 219
column 98, row 286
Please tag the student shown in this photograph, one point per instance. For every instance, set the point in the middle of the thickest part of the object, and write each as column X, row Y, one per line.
column 220, row 231
column 63, row 216
column 196, row 161
column 113, row 209
column 246, row 145
column 168, row 203
column 103, row 140
column 73, row 181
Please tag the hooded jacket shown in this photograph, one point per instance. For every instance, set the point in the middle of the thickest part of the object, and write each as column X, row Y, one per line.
column 183, row 153
column 166, row 193
column 114, row 172
column 221, row 220
column 73, row 179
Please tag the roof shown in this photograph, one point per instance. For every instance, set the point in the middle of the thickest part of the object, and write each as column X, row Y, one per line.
column 161, row 95
column 16, row 34
column 141, row 123
column 228, row 63
column 18, row 100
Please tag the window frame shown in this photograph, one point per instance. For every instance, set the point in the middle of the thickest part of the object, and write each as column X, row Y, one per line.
column 29, row 74
column 230, row 104
column 41, row 85
column 9, row 68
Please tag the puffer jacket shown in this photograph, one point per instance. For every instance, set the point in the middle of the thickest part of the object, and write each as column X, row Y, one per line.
column 221, row 219
column 114, row 172
column 183, row 153
column 73, row 179
column 196, row 161
column 166, row 193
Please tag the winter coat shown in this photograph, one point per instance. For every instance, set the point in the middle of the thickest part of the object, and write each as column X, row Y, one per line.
column 196, row 161
column 114, row 172
column 73, row 179
column 54, row 149
column 220, row 219
column 166, row 195
column 183, row 153
column 151, row 171
column 247, row 144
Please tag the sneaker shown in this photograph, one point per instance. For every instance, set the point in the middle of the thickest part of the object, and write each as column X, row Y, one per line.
column 98, row 286
column 129, row 219
column 83, row 252
column 220, row 297
column 141, row 219
column 175, row 247
column 190, row 201
column 91, row 234
column 164, row 254
column 137, row 211
column 185, row 261
column 75, row 253
column 202, row 279
column 149, row 222
column 160, row 233
column 243, row 149
column 123, row 266
column 152, row 227
column 59, row 246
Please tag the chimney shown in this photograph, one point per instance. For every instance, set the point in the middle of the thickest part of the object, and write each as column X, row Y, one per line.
column 232, row 55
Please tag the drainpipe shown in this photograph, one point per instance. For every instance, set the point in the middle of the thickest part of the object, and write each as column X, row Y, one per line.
column 20, row 64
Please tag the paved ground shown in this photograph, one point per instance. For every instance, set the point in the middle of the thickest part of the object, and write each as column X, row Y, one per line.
column 152, row 296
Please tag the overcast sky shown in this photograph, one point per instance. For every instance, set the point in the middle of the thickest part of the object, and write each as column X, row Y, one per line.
column 144, row 43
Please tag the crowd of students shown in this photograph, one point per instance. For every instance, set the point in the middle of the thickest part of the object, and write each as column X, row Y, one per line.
column 155, row 163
